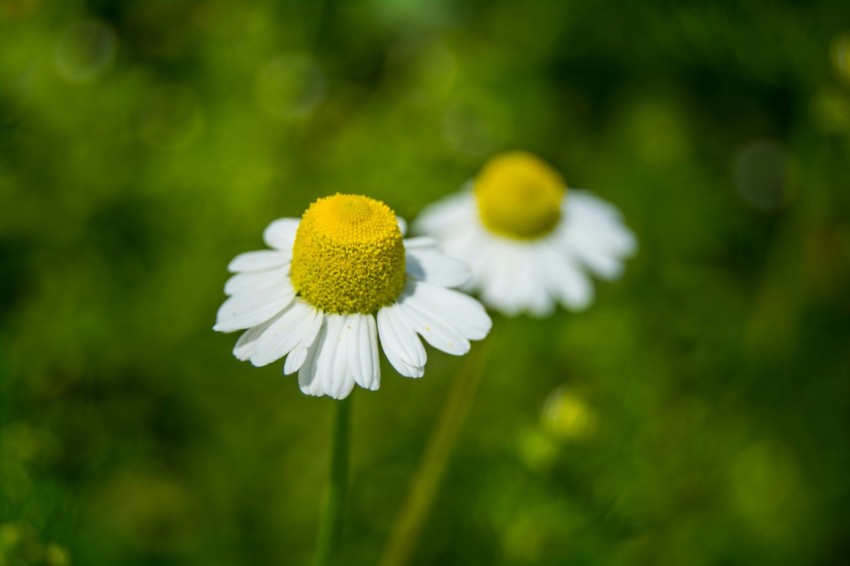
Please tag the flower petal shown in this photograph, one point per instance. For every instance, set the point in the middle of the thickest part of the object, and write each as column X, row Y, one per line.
column 497, row 278
column 255, row 280
column 248, row 340
column 532, row 294
column 298, row 355
column 567, row 281
column 594, row 225
column 400, row 343
column 280, row 234
column 432, row 265
column 258, row 261
column 461, row 311
column 432, row 326
column 333, row 364
column 308, row 377
column 363, row 351
column 247, row 310
column 601, row 247
column 326, row 370
column 542, row 301
column 475, row 248
column 419, row 242
column 447, row 215
column 604, row 265
column 285, row 334
column 587, row 204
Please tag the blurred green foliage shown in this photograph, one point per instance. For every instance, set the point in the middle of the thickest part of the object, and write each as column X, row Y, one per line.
column 698, row 413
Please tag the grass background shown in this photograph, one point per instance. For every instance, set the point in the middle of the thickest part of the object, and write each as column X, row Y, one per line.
column 698, row 413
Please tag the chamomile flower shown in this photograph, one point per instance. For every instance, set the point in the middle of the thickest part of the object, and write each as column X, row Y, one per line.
column 335, row 283
column 529, row 241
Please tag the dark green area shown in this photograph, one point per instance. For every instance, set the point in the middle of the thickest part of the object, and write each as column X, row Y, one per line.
column 698, row 413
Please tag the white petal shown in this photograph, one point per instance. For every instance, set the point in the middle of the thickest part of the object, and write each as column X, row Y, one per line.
column 511, row 276
column 255, row 280
column 248, row 340
column 413, row 352
column 308, row 378
column 285, row 334
column 587, row 204
column 522, row 280
column 363, row 351
column 603, row 257
column 447, row 215
column 419, row 242
column 432, row 327
column 532, row 294
column 498, row 280
column 542, row 302
column 402, row 225
column 333, row 364
column 617, row 238
column 258, row 261
column 280, row 234
column 326, row 370
column 597, row 223
column 247, row 310
column 298, row 355
column 567, row 281
column 594, row 235
column 374, row 358
column 461, row 311
column 352, row 344
column 432, row 265
column 400, row 343
column 602, row 264
column 295, row 360
column 477, row 249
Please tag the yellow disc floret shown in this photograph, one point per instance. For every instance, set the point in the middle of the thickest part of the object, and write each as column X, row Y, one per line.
column 348, row 255
column 519, row 196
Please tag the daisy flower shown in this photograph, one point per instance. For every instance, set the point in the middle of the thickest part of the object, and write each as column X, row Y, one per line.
column 528, row 241
column 334, row 284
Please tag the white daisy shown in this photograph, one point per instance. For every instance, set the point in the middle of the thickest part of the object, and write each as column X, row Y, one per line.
column 335, row 282
column 528, row 241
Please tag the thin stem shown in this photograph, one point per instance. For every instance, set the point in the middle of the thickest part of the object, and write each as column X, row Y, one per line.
column 330, row 527
column 426, row 482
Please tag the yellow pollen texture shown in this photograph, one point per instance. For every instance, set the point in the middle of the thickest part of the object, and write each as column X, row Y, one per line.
column 519, row 196
column 348, row 255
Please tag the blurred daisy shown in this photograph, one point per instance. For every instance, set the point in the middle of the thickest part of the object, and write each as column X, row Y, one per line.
column 528, row 242
column 335, row 282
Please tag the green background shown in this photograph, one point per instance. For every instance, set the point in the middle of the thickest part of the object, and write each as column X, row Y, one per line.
column 697, row 413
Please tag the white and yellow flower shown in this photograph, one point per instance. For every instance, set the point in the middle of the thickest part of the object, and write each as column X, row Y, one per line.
column 528, row 241
column 334, row 283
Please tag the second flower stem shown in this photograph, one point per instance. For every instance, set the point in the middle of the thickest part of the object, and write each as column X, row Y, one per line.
column 407, row 529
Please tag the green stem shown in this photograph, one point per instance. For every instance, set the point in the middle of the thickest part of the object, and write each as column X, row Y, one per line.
column 426, row 482
column 330, row 527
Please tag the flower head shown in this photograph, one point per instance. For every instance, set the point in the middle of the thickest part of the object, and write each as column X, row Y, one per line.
column 519, row 196
column 334, row 284
column 348, row 255
column 528, row 240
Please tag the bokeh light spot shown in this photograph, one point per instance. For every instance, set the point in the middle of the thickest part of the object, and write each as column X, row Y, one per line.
column 761, row 171
column 84, row 50
column 568, row 415
column 840, row 56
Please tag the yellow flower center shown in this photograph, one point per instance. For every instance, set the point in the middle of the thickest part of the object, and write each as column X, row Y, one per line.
column 348, row 255
column 519, row 196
